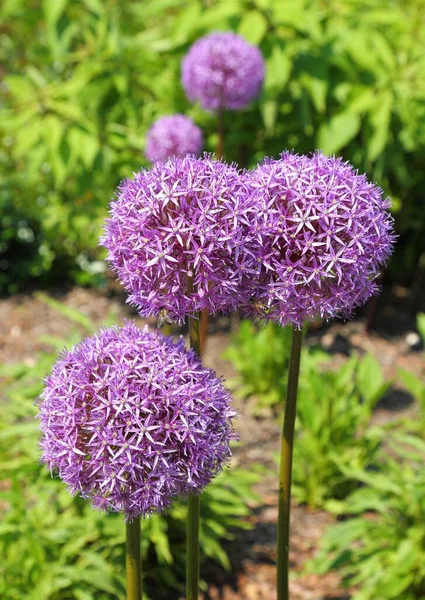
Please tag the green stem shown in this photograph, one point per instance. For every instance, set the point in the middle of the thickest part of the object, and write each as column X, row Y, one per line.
column 193, row 503
column 285, row 474
column 192, row 565
column 133, row 563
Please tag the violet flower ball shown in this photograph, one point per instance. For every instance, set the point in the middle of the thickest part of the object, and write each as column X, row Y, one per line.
column 223, row 71
column 175, row 135
column 130, row 420
column 324, row 233
column 180, row 239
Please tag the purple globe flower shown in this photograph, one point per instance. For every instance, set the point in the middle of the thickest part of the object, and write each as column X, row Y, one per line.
column 175, row 135
column 222, row 70
column 180, row 238
column 130, row 419
column 323, row 232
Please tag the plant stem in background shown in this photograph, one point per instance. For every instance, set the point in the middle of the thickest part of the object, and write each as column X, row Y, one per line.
column 204, row 328
column 193, row 502
column 133, row 561
column 192, row 565
column 285, row 474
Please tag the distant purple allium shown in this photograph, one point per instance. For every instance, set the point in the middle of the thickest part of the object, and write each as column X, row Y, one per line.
column 175, row 135
column 222, row 70
column 179, row 238
column 324, row 232
column 130, row 419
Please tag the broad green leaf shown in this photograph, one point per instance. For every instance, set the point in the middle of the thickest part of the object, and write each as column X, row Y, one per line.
column 414, row 384
column 338, row 132
column 278, row 69
column 361, row 99
column 218, row 14
column 370, row 379
column 380, row 122
column 269, row 111
column 53, row 10
column 253, row 26
column 20, row 87
column 384, row 51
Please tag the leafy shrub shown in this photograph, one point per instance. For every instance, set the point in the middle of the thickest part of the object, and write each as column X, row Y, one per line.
column 260, row 355
column 334, row 432
column 346, row 76
column 383, row 552
column 334, row 407
column 54, row 546
column 414, row 384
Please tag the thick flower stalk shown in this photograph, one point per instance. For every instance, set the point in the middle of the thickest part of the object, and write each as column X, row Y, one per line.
column 324, row 232
column 175, row 135
column 222, row 71
column 130, row 420
column 180, row 239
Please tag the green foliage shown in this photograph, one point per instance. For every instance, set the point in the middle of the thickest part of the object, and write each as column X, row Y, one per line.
column 382, row 553
column 334, row 407
column 54, row 546
column 420, row 323
column 334, row 432
column 260, row 355
column 90, row 77
column 416, row 386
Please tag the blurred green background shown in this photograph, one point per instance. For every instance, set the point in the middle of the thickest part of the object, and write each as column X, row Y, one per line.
column 83, row 80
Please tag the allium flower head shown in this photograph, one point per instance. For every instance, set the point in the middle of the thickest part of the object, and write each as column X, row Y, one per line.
column 179, row 238
column 324, row 232
column 221, row 70
column 175, row 135
column 130, row 419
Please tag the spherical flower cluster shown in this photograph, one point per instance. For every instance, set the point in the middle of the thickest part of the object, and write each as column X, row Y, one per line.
column 323, row 232
column 130, row 419
column 222, row 70
column 180, row 238
column 175, row 135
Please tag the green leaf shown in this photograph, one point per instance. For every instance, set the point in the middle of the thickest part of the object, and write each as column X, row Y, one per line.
column 70, row 313
column 94, row 5
column 380, row 122
column 278, row 70
column 269, row 111
column 20, row 87
column 53, row 10
column 370, row 380
column 420, row 323
column 413, row 384
column 253, row 26
column 338, row 132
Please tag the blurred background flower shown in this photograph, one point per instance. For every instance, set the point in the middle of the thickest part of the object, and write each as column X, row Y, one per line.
column 222, row 71
column 174, row 135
